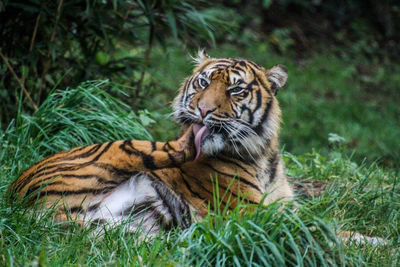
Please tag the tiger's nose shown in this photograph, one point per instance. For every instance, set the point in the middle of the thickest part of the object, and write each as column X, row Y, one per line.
column 205, row 110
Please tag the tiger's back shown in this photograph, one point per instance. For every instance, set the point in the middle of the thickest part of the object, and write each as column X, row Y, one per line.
column 230, row 125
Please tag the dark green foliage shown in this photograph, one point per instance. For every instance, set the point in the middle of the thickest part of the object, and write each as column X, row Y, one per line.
column 51, row 44
column 368, row 28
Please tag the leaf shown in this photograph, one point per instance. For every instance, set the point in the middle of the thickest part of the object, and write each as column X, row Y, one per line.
column 172, row 23
column 145, row 120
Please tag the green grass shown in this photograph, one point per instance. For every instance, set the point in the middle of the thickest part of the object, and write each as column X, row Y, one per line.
column 361, row 197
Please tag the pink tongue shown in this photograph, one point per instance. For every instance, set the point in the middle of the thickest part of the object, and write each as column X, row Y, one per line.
column 199, row 131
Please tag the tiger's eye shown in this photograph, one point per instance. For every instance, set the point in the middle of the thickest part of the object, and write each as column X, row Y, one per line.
column 236, row 90
column 203, row 83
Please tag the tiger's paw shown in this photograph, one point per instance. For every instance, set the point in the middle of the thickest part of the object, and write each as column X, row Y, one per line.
column 186, row 145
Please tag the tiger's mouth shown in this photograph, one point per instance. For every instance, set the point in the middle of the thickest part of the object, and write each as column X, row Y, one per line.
column 200, row 132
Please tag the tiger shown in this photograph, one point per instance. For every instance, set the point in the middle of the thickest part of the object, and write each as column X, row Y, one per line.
column 228, row 146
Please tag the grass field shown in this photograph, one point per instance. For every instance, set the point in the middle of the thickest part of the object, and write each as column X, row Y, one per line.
column 341, row 121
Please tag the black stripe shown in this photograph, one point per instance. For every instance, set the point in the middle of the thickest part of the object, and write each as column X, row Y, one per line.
column 193, row 178
column 233, row 108
column 258, row 104
column 47, row 166
column 72, row 165
column 193, row 81
column 244, row 108
column 124, row 147
column 244, row 94
column 33, row 190
column 183, row 98
column 234, row 163
column 109, row 144
column 226, row 116
column 173, row 160
column 189, row 187
column 93, row 207
column 242, row 63
column 225, row 61
column 251, row 84
column 50, row 160
column 273, row 163
column 154, row 175
column 98, row 221
column 184, row 89
column 240, row 68
column 116, row 171
column 253, row 64
column 219, row 185
column 56, row 169
column 186, row 92
column 190, row 95
column 240, row 179
column 168, row 147
column 148, row 160
column 88, row 153
column 99, row 179
column 77, row 149
column 236, row 72
column 205, row 66
column 220, row 66
column 259, row 128
column 77, row 192
column 138, row 208
column 85, row 154
column 264, row 85
column 64, row 167
column 222, row 201
column 77, row 209
column 251, row 97
column 260, row 81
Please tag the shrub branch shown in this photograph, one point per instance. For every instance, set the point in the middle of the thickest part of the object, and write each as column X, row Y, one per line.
column 35, row 31
column 48, row 61
column 11, row 69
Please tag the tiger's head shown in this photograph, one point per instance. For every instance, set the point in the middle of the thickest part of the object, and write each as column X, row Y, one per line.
column 232, row 106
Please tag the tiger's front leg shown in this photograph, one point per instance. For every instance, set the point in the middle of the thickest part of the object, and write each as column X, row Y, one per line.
column 84, row 172
column 109, row 183
column 134, row 155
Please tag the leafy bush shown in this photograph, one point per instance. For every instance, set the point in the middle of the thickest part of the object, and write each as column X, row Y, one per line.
column 62, row 43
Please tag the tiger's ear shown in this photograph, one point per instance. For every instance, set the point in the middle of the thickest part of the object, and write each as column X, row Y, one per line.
column 201, row 56
column 277, row 75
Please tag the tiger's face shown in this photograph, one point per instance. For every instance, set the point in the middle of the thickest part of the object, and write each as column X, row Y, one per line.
column 231, row 104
